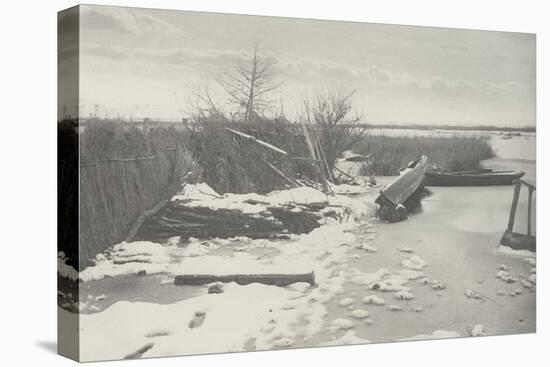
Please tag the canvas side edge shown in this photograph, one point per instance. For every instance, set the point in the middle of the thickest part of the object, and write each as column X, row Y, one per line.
column 68, row 33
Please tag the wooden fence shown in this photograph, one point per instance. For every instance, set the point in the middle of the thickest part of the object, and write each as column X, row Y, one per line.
column 114, row 192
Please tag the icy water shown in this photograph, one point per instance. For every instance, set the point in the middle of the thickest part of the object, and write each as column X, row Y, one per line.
column 457, row 233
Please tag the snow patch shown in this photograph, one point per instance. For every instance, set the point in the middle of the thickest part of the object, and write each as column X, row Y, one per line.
column 346, row 302
column 347, row 339
column 65, row 270
column 505, row 277
column 513, row 252
column 338, row 324
column 477, row 330
column 359, row 314
column 414, row 263
column 265, row 324
column 437, row 334
column 374, row 300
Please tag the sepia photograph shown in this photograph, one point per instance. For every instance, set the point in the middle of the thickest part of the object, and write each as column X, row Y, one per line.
column 235, row 183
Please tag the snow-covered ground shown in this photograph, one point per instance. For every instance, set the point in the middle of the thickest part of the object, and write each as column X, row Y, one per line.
column 250, row 317
column 436, row 275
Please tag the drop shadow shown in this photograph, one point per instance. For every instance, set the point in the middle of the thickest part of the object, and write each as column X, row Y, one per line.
column 48, row 345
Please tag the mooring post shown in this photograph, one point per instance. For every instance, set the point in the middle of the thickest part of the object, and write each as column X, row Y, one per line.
column 529, row 210
column 514, row 206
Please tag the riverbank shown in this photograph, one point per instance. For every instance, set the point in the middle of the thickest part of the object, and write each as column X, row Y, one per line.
column 436, row 274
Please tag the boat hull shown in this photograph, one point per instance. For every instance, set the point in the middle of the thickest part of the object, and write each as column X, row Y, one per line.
column 406, row 185
column 484, row 179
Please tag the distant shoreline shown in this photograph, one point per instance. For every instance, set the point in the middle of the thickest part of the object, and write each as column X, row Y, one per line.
column 450, row 127
column 85, row 120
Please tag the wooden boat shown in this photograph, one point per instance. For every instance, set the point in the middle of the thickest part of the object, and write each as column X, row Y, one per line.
column 472, row 178
column 410, row 181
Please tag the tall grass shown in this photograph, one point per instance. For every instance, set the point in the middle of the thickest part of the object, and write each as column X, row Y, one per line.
column 391, row 153
column 231, row 163
column 112, row 139
column 123, row 171
column 126, row 168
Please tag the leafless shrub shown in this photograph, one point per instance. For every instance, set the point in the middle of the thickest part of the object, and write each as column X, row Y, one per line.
column 248, row 85
column 336, row 122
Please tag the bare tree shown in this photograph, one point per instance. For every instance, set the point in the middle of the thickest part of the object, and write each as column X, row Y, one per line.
column 336, row 124
column 248, row 85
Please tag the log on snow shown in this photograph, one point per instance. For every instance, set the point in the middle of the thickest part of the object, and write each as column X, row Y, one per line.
column 142, row 218
column 243, row 279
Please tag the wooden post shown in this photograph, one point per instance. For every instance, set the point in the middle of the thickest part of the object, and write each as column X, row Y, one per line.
column 514, row 206
column 280, row 173
column 529, row 211
column 344, row 173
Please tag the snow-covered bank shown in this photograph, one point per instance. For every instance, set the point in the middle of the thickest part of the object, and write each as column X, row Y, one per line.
column 151, row 257
column 299, row 254
column 249, row 317
column 241, row 318
column 202, row 195
column 421, row 279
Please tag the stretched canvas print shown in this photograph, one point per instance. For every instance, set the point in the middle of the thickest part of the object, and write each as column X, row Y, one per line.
column 234, row 183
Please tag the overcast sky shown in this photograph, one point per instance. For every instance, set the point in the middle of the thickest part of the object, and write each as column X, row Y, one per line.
column 146, row 63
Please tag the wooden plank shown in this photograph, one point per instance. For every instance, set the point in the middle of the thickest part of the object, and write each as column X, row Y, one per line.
column 305, row 159
column 141, row 219
column 258, row 141
column 281, row 280
column 322, row 156
column 280, row 173
column 512, row 218
column 529, row 210
column 528, row 184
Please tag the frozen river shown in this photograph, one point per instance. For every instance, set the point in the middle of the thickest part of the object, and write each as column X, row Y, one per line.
column 457, row 233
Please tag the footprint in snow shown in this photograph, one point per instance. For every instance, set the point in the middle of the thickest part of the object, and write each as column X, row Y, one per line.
column 157, row 334
column 283, row 343
column 403, row 295
column 197, row 319
column 395, row 308
column 140, row 352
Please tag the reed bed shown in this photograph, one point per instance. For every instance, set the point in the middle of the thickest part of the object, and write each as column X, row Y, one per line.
column 231, row 163
column 126, row 169
column 389, row 154
column 123, row 171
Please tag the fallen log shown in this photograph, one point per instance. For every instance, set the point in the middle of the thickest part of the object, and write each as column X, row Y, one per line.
column 177, row 219
column 280, row 280
column 142, row 218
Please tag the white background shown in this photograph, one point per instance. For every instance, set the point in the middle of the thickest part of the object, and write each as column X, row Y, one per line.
column 28, row 181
